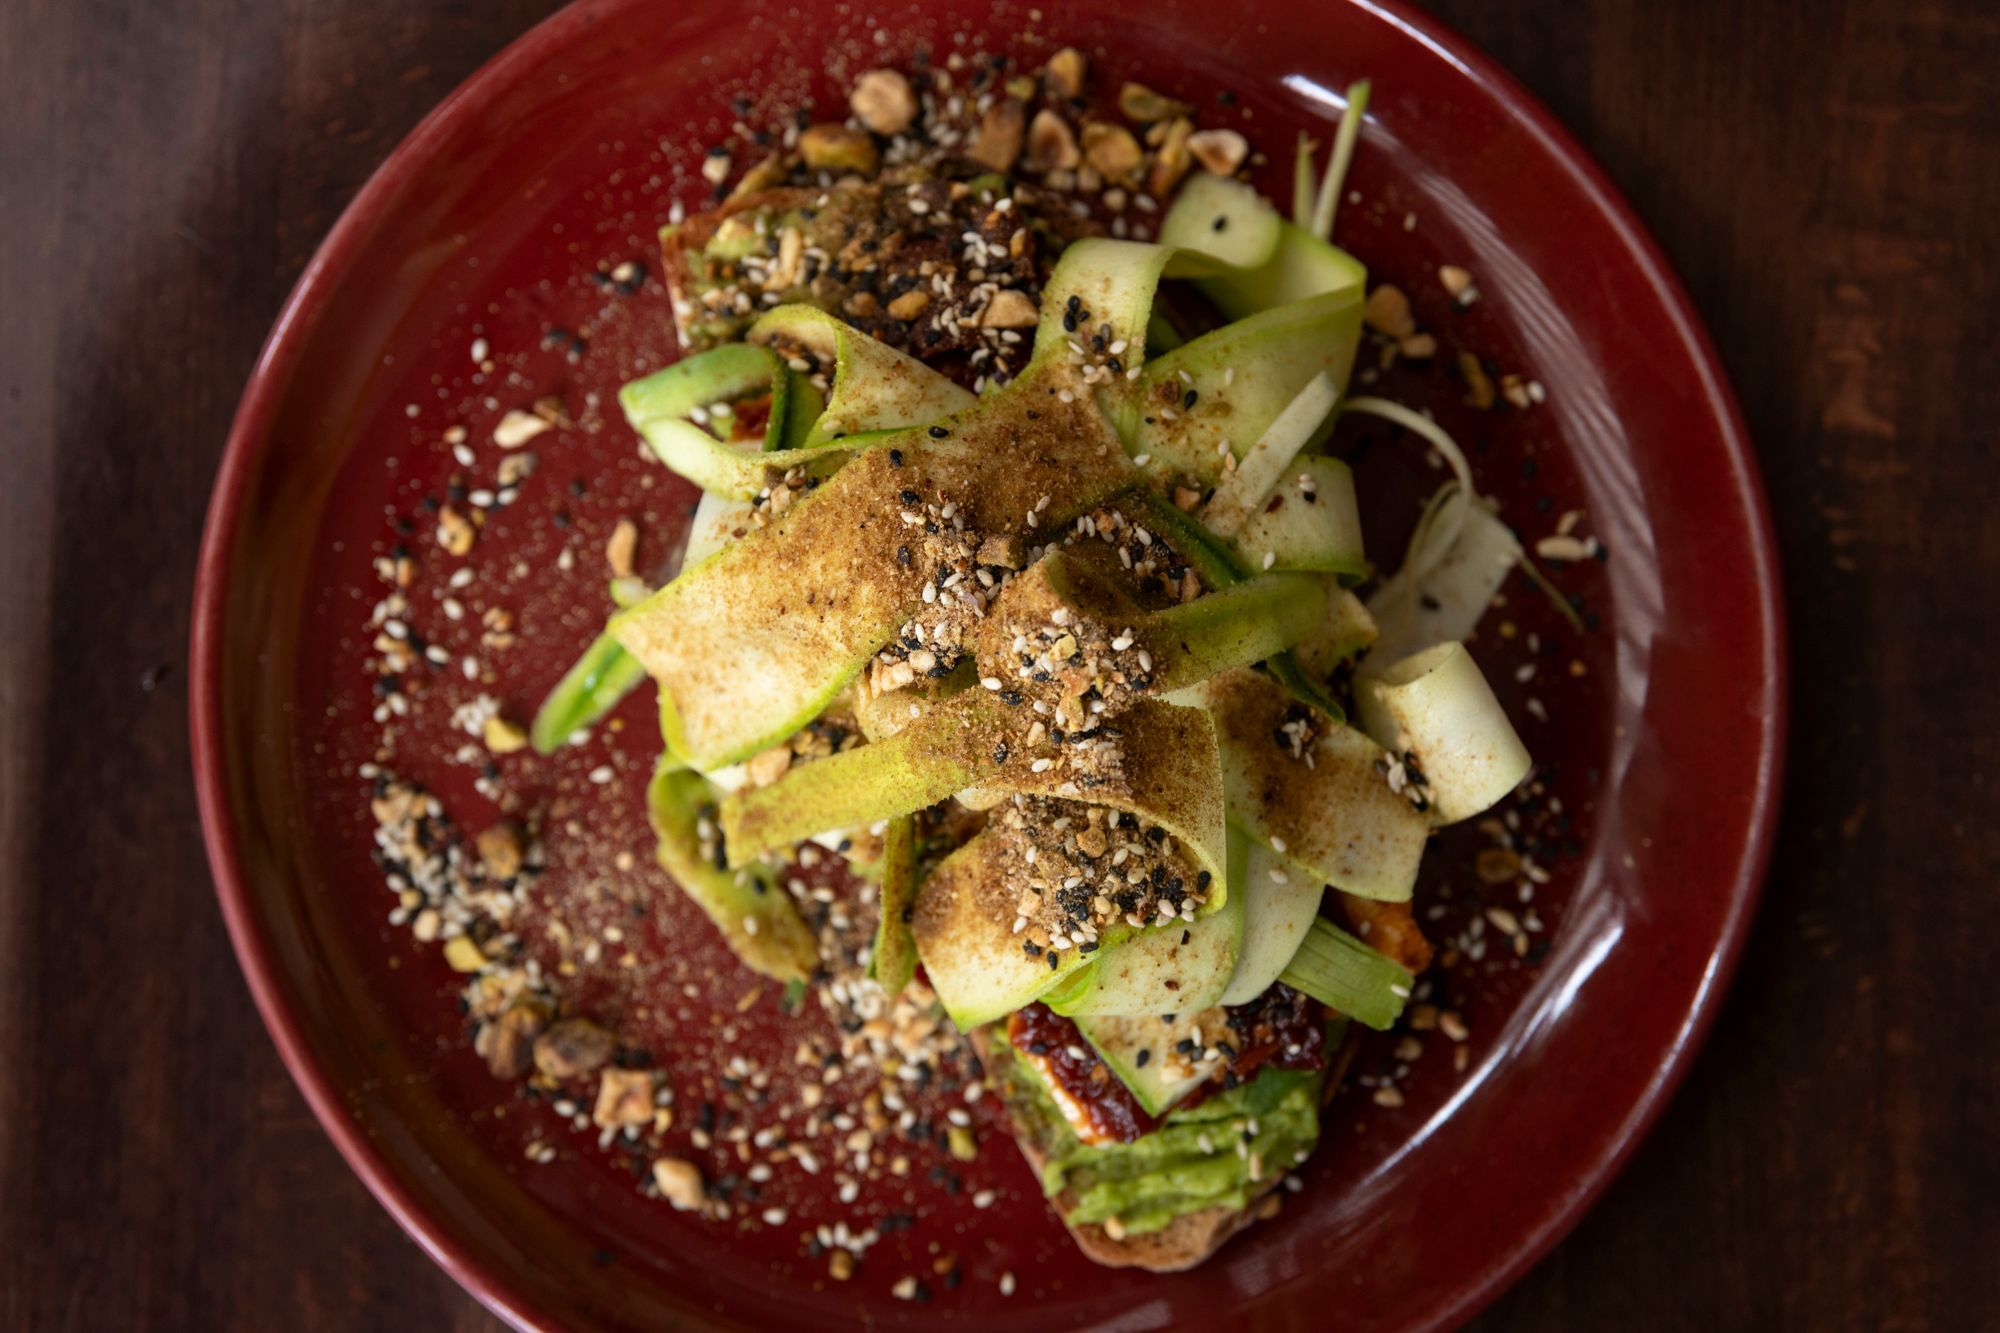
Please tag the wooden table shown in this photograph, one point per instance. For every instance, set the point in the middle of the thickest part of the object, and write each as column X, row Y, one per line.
column 1826, row 177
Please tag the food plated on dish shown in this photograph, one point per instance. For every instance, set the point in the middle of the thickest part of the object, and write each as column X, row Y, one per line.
column 1021, row 593
column 796, row 850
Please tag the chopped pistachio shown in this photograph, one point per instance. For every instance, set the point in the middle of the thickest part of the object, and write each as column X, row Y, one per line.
column 838, row 148
column 1140, row 103
column 1051, row 144
column 1065, row 72
column 998, row 142
column 463, row 954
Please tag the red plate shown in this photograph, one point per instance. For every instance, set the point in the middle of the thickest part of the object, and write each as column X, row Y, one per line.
column 561, row 156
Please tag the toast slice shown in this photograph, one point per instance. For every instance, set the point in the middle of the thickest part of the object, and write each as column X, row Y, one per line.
column 1188, row 1239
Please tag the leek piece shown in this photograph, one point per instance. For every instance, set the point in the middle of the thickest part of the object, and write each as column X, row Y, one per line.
column 1305, row 184
column 1241, row 493
column 1171, row 762
column 1437, row 707
column 753, row 913
column 1330, row 808
column 1224, row 219
column 893, row 960
column 875, row 387
column 1344, row 633
column 1280, row 903
column 1241, row 376
column 1339, row 970
column 603, row 676
column 1327, row 203
column 1312, row 522
column 659, row 407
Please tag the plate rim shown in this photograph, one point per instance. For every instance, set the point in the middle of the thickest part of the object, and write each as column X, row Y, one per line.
column 280, row 355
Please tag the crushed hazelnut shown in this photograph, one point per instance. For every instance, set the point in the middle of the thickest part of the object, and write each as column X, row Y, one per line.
column 680, row 1183
column 624, row 1097
column 882, row 100
column 573, row 1048
column 502, row 848
column 768, row 766
column 503, row 735
column 910, row 304
column 1065, row 72
column 517, row 428
column 507, row 1043
column 1219, row 151
column 1009, row 309
column 1112, row 150
column 624, row 544
column 455, row 532
column 1051, row 144
column 998, row 142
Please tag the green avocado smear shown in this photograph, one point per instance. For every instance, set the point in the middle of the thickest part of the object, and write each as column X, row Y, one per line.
column 1191, row 1162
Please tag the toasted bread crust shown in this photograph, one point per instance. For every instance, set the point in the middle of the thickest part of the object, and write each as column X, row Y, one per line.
column 1183, row 1242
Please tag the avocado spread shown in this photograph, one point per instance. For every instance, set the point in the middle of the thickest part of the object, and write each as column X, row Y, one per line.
column 1214, row 1153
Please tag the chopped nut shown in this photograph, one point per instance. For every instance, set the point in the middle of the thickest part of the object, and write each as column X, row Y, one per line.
column 1021, row 86
column 1065, row 72
column 455, row 531
column 624, row 544
column 1498, row 865
column 1458, row 283
column 680, row 1183
column 1111, row 150
column 839, row 1265
column 517, row 468
column 1515, row 390
column 1051, row 144
column 1138, row 102
column 766, row 175
column 1187, row 499
column 517, row 428
column 910, row 304
column 838, row 148
column 861, row 305
column 768, row 766
column 1173, row 159
column 1270, row 1206
column 715, row 168
column 1388, row 311
column 502, row 848
column 1478, row 384
column 1009, row 309
column 998, row 142
column 573, row 1048
column 882, row 100
column 1418, row 346
column 963, row 1146
column 552, row 409
column 507, row 1043
column 503, row 736
column 463, row 954
column 1219, row 151
column 624, row 1097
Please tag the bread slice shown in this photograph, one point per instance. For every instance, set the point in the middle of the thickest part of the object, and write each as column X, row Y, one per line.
column 1183, row 1242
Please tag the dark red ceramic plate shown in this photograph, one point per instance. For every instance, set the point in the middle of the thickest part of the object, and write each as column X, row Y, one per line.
column 560, row 159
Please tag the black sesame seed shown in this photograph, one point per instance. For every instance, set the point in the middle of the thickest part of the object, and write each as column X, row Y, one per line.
column 939, row 432
column 895, row 458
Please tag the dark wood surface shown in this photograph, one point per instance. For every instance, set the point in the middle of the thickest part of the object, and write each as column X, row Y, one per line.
column 1826, row 177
